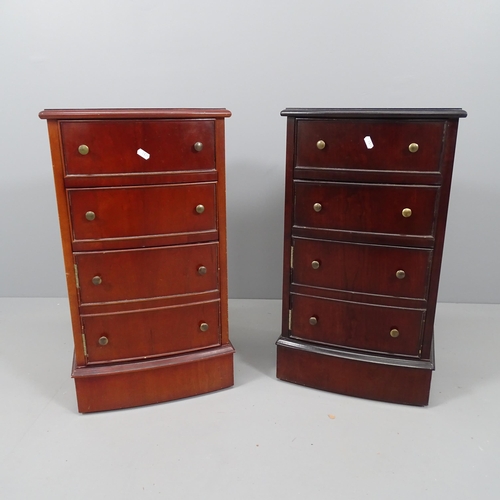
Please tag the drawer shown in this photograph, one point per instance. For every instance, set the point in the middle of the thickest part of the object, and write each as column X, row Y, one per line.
column 111, row 146
column 153, row 332
column 147, row 272
column 357, row 326
column 372, row 269
column 345, row 146
column 117, row 213
column 366, row 207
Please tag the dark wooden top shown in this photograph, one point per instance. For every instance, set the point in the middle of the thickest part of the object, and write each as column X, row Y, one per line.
column 375, row 112
column 131, row 113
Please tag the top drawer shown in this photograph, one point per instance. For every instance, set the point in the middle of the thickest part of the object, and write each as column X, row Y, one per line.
column 137, row 146
column 370, row 144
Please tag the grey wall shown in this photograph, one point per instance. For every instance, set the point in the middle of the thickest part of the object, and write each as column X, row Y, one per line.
column 255, row 58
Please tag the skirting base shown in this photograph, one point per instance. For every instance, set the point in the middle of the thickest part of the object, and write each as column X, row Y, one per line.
column 110, row 387
column 364, row 376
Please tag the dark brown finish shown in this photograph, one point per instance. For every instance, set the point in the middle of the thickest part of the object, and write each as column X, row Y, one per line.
column 358, row 326
column 371, row 208
column 345, row 146
column 360, row 267
column 370, row 380
column 148, row 324
column 361, row 271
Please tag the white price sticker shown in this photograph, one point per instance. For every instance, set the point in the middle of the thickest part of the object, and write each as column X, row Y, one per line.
column 143, row 154
column 368, row 142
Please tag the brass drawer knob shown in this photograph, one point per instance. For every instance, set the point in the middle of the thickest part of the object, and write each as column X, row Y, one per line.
column 321, row 144
column 406, row 212
column 315, row 264
column 413, row 147
column 204, row 327
column 198, row 146
column 317, row 207
column 200, row 209
column 202, row 270
column 90, row 215
column 400, row 274
column 394, row 333
column 103, row 341
column 96, row 280
column 83, row 149
column 313, row 320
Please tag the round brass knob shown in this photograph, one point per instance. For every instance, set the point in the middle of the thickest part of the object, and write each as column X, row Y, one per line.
column 400, row 274
column 321, row 144
column 204, row 327
column 317, row 207
column 413, row 147
column 103, row 341
column 90, row 215
column 406, row 212
column 202, row 270
column 198, row 146
column 200, row 209
column 96, row 280
column 313, row 320
column 394, row 333
column 315, row 264
column 83, row 149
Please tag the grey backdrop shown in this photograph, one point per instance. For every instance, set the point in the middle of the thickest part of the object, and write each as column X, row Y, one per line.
column 254, row 58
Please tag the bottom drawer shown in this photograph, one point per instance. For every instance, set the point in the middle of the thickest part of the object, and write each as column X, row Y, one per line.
column 151, row 332
column 355, row 325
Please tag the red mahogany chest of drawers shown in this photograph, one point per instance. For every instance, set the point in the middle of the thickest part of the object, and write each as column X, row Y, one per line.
column 365, row 213
column 141, row 201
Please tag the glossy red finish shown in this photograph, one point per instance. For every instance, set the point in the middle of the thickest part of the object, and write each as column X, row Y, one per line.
column 113, row 146
column 151, row 332
column 145, row 268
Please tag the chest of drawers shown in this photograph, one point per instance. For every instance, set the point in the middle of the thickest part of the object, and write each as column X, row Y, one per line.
column 141, row 201
column 365, row 213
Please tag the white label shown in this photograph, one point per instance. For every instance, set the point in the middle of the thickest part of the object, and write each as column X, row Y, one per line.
column 143, row 154
column 368, row 142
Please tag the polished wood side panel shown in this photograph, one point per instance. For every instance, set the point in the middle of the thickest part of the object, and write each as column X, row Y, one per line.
column 151, row 332
column 126, row 212
column 366, row 207
column 393, row 384
column 346, row 148
column 359, row 326
column 129, row 385
column 113, row 146
column 65, row 228
column 362, row 267
column 145, row 273
column 447, row 168
column 220, row 159
column 288, row 220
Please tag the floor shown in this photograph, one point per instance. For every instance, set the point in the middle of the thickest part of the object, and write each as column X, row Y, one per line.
column 263, row 438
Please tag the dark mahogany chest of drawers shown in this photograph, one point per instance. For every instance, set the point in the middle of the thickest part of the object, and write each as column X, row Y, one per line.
column 141, row 200
column 365, row 213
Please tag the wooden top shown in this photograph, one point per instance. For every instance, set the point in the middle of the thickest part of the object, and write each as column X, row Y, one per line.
column 131, row 113
column 375, row 112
